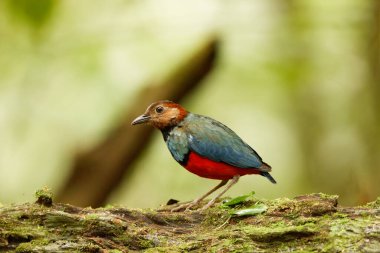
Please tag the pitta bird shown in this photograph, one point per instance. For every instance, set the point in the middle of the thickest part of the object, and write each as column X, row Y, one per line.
column 204, row 147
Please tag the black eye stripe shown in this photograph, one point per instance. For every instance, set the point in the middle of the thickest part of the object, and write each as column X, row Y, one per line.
column 159, row 109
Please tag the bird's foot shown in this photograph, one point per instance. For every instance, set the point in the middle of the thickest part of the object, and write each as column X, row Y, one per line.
column 210, row 203
column 185, row 206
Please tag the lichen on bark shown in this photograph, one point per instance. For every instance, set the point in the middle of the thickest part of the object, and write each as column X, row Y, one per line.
column 309, row 223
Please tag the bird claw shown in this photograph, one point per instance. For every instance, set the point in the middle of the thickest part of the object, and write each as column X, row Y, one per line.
column 185, row 207
column 207, row 205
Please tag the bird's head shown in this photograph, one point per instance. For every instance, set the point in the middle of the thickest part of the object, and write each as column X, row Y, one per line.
column 162, row 114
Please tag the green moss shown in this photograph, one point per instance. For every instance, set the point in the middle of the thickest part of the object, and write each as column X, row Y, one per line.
column 339, row 215
column 360, row 232
column 305, row 220
column 374, row 204
column 162, row 249
column 215, row 217
column 104, row 228
column 190, row 246
column 305, row 224
column 235, row 245
column 109, row 206
column 134, row 241
column 233, row 240
column 92, row 216
column 307, row 205
column 23, row 232
column 32, row 246
column 90, row 247
column 280, row 232
column 25, row 247
column 44, row 197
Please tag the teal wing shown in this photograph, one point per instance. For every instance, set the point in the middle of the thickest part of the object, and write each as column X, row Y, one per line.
column 213, row 140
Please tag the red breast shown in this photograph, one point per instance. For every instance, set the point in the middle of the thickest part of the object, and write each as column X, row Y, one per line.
column 207, row 168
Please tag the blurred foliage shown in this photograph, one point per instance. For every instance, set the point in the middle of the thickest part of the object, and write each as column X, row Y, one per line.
column 34, row 12
column 298, row 80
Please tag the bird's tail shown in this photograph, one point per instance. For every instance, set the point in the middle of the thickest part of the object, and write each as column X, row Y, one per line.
column 265, row 167
column 267, row 175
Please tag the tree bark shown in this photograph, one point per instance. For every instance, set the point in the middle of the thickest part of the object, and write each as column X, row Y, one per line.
column 310, row 223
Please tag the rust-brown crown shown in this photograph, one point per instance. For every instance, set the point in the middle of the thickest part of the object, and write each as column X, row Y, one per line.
column 162, row 114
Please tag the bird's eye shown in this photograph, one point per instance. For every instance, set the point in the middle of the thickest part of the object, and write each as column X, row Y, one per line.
column 159, row 109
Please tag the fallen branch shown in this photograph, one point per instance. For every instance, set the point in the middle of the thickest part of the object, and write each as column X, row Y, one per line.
column 307, row 223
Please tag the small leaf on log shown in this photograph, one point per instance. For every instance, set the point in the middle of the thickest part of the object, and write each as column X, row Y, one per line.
column 253, row 210
column 237, row 200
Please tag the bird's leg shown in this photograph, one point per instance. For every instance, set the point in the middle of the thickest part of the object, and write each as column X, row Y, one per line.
column 196, row 201
column 234, row 180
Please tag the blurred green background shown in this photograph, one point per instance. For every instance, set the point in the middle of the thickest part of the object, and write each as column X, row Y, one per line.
column 298, row 80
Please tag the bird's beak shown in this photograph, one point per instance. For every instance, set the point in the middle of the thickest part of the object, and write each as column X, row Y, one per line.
column 141, row 119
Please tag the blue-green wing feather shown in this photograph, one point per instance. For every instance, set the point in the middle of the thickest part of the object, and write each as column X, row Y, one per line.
column 210, row 138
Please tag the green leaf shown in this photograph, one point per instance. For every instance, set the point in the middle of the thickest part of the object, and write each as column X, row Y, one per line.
column 237, row 200
column 253, row 210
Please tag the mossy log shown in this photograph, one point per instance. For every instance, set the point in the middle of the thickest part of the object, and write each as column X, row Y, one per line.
column 309, row 223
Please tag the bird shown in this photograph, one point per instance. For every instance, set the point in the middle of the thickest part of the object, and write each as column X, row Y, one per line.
column 205, row 147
